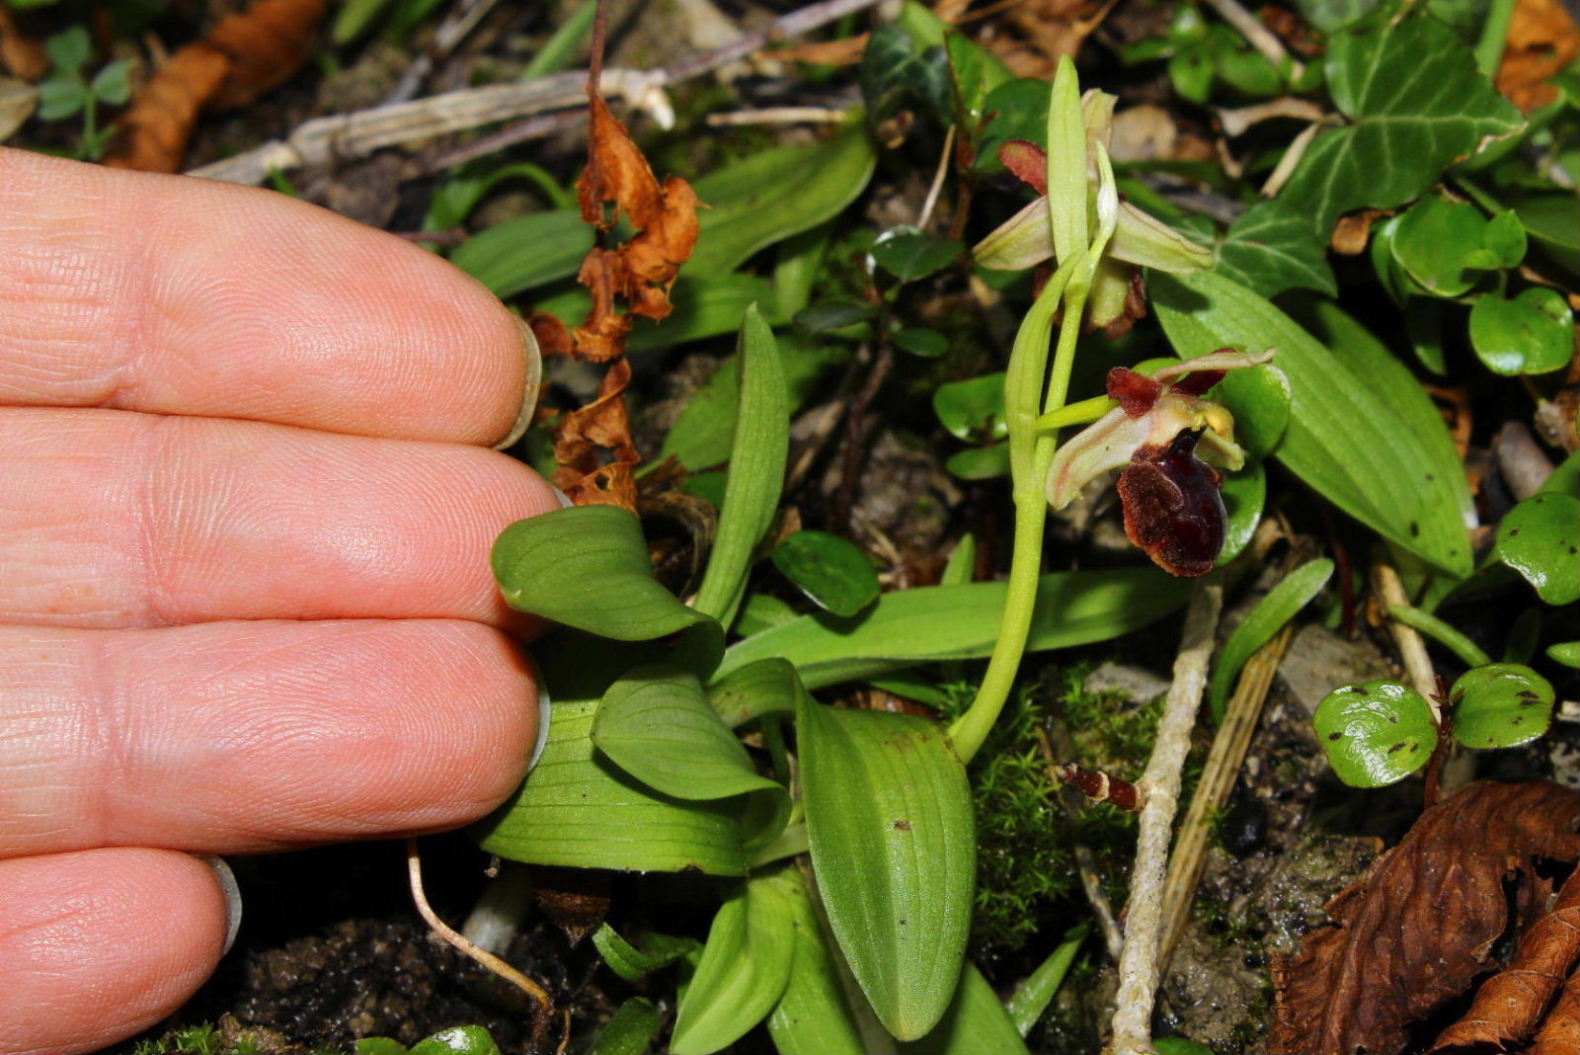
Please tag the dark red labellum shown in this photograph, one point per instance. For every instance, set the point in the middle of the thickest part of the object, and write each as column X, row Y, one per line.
column 1173, row 510
column 1197, row 382
column 1136, row 393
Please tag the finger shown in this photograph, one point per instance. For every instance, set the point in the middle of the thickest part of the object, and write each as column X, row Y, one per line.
column 98, row 945
column 185, row 296
column 114, row 519
column 256, row 736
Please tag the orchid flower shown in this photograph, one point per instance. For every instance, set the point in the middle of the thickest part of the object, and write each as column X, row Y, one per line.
column 1023, row 241
column 1173, row 509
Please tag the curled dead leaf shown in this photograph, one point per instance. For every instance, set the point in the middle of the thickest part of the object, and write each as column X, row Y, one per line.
column 1543, row 39
column 586, row 473
column 1414, row 934
column 21, row 54
column 241, row 58
column 1510, row 1006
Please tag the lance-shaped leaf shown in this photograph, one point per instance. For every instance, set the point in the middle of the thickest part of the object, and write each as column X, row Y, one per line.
column 744, row 968
column 1261, row 623
column 975, row 1022
column 814, row 1015
column 909, row 627
column 657, row 725
column 888, row 810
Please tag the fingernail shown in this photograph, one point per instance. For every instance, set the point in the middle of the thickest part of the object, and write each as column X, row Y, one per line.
column 545, row 708
column 227, row 883
column 529, row 399
column 565, row 499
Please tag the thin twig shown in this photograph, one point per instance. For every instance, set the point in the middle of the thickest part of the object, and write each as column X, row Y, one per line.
column 539, row 995
column 1138, row 960
column 1257, row 35
column 1236, row 120
column 779, row 115
column 1217, row 781
column 457, row 24
column 361, row 132
column 1412, row 647
column 1291, row 157
column 938, row 179
column 855, row 426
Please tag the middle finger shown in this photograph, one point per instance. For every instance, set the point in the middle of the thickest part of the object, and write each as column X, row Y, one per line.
column 116, row 519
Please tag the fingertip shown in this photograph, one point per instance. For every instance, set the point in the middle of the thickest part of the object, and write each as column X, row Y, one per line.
column 97, row 945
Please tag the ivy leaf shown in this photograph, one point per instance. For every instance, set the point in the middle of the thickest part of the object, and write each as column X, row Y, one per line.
column 1417, row 105
column 1273, row 248
column 1377, row 733
column 910, row 254
column 894, row 74
column 1501, row 705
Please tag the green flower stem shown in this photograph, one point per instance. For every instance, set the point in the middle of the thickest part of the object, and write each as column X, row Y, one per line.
column 1441, row 632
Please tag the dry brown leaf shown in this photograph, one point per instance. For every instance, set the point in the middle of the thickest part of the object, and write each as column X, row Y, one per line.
column 1510, row 1006
column 585, row 434
column 844, row 52
column 1543, row 39
column 1561, row 1033
column 1047, row 30
column 1353, row 231
column 242, row 57
column 1414, row 933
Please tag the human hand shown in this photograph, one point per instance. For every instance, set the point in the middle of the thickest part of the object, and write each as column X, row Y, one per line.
column 246, row 505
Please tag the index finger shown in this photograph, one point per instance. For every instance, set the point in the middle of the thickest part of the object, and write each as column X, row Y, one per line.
column 174, row 295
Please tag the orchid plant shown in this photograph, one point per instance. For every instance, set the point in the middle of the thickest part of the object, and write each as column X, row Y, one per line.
column 1156, row 424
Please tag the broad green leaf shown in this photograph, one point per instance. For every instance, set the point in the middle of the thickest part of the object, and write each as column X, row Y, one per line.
column 1436, row 241
column 772, row 195
column 113, row 83
column 768, row 686
column 972, row 409
column 744, row 970
column 587, row 567
column 960, row 569
column 976, row 1022
column 799, row 263
column 888, row 809
column 1179, row 1046
column 832, row 571
column 1273, row 248
column 975, row 72
column 909, row 254
column 833, row 316
column 1533, row 333
column 1032, row 997
column 962, row 622
column 1017, row 109
column 457, row 1040
column 1244, row 494
column 1377, row 733
column 652, row 952
column 60, row 97
column 1416, row 103
column 69, row 49
column 1261, row 623
column 705, row 431
column 1260, row 399
column 354, row 17
column 1540, row 539
column 1504, row 240
column 1344, row 437
column 1553, row 220
column 630, row 1030
column 813, row 1016
column 763, row 611
column 1501, row 705
column 578, row 810
column 525, row 252
column 657, row 725
column 757, row 470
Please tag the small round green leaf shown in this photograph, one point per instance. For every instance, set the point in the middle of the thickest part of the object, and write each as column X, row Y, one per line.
column 1540, row 539
column 1377, row 733
column 980, row 463
column 1244, row 494
column 1504, row 238
column 1532, row 334
column 458, row 1040
column 973, row 408
column 1501, row 705
column 830, row 570
column 929, row 344
column 910, row 255
column 1433, row 241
